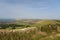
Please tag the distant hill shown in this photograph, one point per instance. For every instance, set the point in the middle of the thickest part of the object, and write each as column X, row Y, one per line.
column 20, row 21
column 6, row 20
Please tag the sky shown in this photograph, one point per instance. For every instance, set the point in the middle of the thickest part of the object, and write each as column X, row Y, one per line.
column 30, row 9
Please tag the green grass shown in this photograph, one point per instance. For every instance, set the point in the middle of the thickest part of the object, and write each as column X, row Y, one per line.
column 46, row 22
column 57, row 38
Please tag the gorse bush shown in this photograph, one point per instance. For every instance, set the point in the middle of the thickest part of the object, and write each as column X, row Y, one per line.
column 48, row 28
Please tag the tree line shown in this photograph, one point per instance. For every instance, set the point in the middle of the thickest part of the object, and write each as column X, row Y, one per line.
column 13, row 26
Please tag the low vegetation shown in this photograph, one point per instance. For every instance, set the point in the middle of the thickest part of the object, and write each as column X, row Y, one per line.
column 40, row 30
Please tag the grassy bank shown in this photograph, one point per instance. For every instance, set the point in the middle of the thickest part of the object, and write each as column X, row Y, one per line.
column 28, row 34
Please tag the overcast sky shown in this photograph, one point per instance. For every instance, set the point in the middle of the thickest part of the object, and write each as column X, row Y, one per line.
column 37, row 9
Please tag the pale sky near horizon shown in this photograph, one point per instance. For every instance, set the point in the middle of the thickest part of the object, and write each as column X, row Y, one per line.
column 30, row 9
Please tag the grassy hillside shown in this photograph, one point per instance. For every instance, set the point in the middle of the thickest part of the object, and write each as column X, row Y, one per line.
column 48, row 25
column 39, row 30
column 46, row 22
